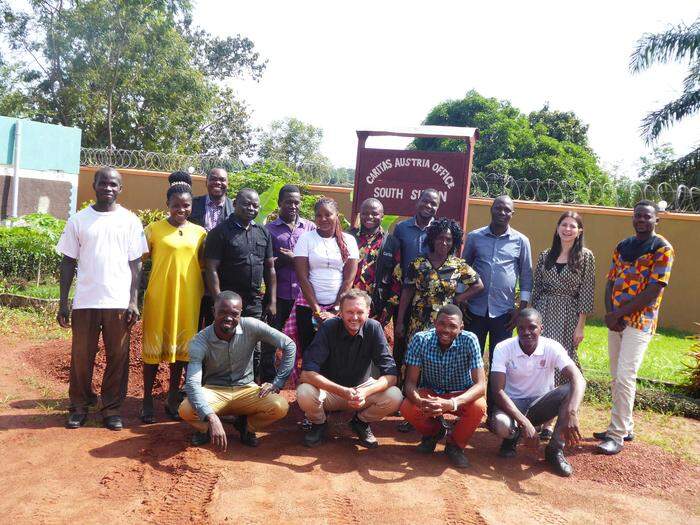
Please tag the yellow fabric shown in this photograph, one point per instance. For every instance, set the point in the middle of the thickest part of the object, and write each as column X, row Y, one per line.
column 238, row 401
column 175, row 289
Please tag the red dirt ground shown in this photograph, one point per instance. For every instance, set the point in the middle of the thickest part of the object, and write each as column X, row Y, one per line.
column 52, row 475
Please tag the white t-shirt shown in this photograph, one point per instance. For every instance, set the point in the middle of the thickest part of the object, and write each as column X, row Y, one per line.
column 533, row 375
column 325, row 263
column 103, row 243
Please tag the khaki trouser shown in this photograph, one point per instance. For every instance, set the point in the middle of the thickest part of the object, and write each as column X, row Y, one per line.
column 87, row 324
column 238, row 401
column 315, row 403
column 626, row 350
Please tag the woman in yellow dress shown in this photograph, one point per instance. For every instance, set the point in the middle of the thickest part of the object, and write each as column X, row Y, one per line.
column 175, row 289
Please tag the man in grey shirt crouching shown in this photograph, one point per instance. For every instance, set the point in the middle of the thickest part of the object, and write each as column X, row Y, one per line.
column 220, row 378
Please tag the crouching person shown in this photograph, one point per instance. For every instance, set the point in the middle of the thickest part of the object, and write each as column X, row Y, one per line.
column 336, row 372
column 522, row 378
column 220, row 376
column 447, row 359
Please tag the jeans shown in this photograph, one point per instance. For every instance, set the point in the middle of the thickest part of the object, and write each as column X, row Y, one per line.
column 538, row 411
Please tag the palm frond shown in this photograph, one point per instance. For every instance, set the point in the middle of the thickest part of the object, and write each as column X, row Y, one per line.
column 684, row 167
column 692, row 79
column 656, row 121
column 674, row 44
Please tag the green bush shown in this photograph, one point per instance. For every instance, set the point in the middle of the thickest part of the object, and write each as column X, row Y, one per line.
column 28, row 252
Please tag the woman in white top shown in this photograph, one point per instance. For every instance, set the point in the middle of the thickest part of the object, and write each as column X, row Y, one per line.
column 326, row 262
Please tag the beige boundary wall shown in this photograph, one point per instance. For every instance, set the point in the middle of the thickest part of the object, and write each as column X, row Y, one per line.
column 604, row 228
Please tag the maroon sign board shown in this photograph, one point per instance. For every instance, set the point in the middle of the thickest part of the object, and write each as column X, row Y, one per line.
column 396, row 177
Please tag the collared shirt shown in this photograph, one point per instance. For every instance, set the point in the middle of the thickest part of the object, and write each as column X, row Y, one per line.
column 501, row 261
column 635, row 265
column 213, row 213
column 529, row 376
column 346, row 359
column 412, row 239
column 218, row 363
column 445, row 371
column 242, row 253
column 284, row 237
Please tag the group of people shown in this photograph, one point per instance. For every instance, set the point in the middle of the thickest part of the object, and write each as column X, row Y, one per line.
column 245, row 308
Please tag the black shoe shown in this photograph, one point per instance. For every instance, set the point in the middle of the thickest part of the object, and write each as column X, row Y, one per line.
column 76, row 420
column 602, row 436
column 428, row 443
column 316, row 435
column 113, row 423
column 609, row 447
column 172, row 414
column 507, row 449
column 364, row 432
column 305, row 425
column 199, row 439
column 404, row 427
column 546, row 434
column 148, row 417
column 555, row 457
column 456, row 456
column 247, row 438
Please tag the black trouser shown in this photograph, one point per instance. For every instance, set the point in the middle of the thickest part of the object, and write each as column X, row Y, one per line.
column 538, row 411
column 268, row 372
column 252, row 307
column 206, row 311
column 495, row 328
column 305, row 327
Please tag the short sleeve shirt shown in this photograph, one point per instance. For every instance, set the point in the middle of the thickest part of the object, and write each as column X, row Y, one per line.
column 529, row 376
column 242, row 253
column 635, row 265
column 103, row 243
column 445, row 371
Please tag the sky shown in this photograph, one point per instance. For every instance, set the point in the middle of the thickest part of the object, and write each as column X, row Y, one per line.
column 361, row 64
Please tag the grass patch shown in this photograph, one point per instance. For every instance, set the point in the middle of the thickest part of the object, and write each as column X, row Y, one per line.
column 664, row 359
column 28, row 323
column 49, row 289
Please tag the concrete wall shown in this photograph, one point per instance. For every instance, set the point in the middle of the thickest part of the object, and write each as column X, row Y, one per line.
column 604, row 228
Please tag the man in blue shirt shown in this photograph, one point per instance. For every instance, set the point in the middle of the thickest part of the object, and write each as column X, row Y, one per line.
column 447, row 359
column 411, row 235
column 502, row 258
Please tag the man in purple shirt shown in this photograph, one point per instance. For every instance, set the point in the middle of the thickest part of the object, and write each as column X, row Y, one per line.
column 285, row 231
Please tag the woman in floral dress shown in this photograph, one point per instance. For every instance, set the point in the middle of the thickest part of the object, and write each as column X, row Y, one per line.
column 437, row 279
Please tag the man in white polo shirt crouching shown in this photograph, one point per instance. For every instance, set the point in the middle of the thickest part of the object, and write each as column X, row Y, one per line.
column 522, row 379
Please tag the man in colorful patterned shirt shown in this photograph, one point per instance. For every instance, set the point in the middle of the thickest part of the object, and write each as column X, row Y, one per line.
column 447, row 360
column 371, row 238
column 640, row 270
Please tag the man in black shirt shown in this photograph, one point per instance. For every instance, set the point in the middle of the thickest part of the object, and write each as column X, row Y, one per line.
column 336, row 372
column 238, row 257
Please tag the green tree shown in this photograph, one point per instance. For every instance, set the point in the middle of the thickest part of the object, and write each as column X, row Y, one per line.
column 131, row 74
column 546, row 146
column 296, row 143
column 677, row 44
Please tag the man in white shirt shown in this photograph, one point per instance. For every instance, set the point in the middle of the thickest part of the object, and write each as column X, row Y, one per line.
column 105, row 242
column 522, row 377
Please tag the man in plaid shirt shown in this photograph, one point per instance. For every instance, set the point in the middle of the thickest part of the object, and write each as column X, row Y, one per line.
column 448, row 361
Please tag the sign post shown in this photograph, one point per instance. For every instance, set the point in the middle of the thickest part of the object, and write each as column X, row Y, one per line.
column 397, row 177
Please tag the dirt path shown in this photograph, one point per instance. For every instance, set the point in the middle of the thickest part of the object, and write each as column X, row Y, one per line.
column 147, row 473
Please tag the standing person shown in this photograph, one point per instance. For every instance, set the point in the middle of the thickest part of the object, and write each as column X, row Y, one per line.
column 238, row 257
column 284, row 232
column 522, row 376
column 208, row 211
column 175, row 289
column 563, row 290
column 639, row 273
column 326, row 263
column 220, row 376
column 411, row 235
column 447, row 359
column 501, row 256
column 435, row 280
column 105, row 242
column 336, row 372
column 371, row 242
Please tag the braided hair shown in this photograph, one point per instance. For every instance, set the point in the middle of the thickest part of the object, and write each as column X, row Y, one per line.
column 338, row 231
column 439, row 226
column 180, row 183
